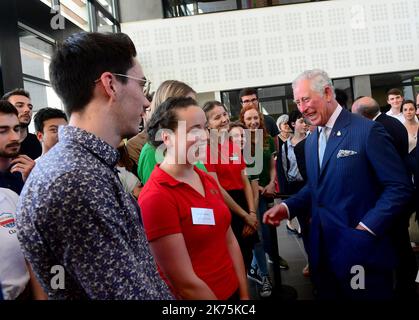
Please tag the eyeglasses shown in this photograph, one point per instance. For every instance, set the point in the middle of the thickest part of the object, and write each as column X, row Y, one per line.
column 250, row 101
column 144, row 83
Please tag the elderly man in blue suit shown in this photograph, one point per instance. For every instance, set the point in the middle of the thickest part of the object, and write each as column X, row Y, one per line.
column 356, row 189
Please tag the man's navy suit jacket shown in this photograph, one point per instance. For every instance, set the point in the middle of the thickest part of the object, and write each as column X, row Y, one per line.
column 365, row 183
column 397, row 132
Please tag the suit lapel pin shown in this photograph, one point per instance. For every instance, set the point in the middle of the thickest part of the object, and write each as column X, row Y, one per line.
column 338, row 133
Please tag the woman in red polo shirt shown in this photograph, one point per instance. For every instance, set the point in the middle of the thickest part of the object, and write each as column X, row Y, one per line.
column 225, row 163
column 184, row 215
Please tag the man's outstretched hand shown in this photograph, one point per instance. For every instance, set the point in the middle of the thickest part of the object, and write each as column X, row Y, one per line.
column 275, row 215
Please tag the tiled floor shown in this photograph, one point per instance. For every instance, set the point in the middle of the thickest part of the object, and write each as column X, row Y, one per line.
column 292, row 250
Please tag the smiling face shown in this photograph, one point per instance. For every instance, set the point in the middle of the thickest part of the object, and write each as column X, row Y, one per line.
column 312, row 104
column 251, row 119
column 237, row 136
column 395, row 101
column 409, row 111
column 284, row 127
column 218, row 118
column 188, row 142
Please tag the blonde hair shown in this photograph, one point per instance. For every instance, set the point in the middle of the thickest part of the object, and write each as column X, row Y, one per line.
column 169, row 89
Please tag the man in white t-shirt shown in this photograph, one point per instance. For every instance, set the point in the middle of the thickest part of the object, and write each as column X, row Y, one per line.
column 15, row 275
column 395, row 99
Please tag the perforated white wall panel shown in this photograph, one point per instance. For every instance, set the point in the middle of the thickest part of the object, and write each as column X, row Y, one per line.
column 267, row 46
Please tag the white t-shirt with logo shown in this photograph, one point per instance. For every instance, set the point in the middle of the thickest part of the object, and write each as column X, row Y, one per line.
column 14, row 275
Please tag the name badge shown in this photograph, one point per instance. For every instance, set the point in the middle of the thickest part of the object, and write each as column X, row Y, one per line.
column 234, row 157
column 203, row 216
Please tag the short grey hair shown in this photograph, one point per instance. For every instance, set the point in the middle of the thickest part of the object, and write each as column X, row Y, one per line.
column 282, row 119
column 319, row 79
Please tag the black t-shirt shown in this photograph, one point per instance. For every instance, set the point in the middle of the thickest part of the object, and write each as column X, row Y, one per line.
column 12, row 181
column 271, row 126
column 31, row 146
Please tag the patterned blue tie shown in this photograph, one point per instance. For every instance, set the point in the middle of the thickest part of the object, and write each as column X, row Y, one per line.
column 322, row 143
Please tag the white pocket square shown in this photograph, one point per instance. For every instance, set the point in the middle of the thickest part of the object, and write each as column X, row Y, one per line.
column 345, row 153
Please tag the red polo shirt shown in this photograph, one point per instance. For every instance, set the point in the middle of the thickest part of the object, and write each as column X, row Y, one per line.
column 229, row 165
column 166, row 209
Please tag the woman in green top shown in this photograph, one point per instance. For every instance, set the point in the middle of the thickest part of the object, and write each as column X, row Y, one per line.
column 260, row 274
column 253, row 120
column 148, row 156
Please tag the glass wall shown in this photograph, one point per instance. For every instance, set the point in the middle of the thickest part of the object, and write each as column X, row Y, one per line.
column 42, row 95
column 103, row 24
column 108, row 5
column 73, row 10
column 344, row 92
column 36, row 52
column 277, row 100
column 407, row 82
column 180, row 8
column 93, row 15
column 36, row 48
column 104, row 15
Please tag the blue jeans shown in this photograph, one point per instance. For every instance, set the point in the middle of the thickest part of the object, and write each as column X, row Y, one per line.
column 264, row 246
column 259, row 260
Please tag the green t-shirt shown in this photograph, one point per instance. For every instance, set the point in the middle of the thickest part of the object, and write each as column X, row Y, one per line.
column 251, row 177
column 148, row 160
column 265, row 175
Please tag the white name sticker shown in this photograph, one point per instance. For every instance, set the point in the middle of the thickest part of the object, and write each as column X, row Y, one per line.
column 234, row 157
column 203, row 216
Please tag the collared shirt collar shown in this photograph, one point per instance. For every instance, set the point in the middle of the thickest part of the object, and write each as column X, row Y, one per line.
column 102, row 150
column 377, row 115
column 289, row 143
column 391, row 113
column 331, row 122
column 162, row 177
